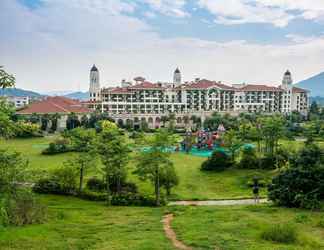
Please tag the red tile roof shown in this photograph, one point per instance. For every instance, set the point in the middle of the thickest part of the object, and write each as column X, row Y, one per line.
column 299, row 90
column 146, row 85
column 119, row 90
column 260, row 87
column 57, row 104
column 204, row 84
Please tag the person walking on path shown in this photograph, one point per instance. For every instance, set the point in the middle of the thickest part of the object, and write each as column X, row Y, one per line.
column 256, row 190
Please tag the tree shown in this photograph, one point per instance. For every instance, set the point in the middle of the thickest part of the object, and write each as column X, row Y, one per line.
column 7, row 126
column 44, row 121
column 83, row 162
column 314, row 109
column 154, row 163
column 302, row 184
column 196, row 121
column 272, row 131
column 54, row 120
column 72, row 121
column 82, row 140
column 169, row 179
column 298, row 187
column 186, row 120
column 6, row 80
column 164, row 120
column 114, row 153
column 310, row 155
column 249, row 158
column 171, row 119
column 232, row 142
column 13, row 171
column 85, row 121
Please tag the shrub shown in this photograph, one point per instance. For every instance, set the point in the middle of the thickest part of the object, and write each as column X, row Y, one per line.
column 131, row 199
column 61, row 181
column 301, row 218
column 22, row 209
column 66, row 177
column 219, row 161
column 47, row 186
column 95, row 184
column 57, row 147
column 321, row 223
column 267, row 162
column 93, row 196
column 27, row 130
column 297, row 187
column 281, row 233
column 249, row 159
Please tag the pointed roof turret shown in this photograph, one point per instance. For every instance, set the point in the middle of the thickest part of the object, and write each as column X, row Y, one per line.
column 287, row 73
column 94, row 68
column 177, row 70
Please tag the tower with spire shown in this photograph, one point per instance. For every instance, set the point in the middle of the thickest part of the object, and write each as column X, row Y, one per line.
column 287, row 80
column 94, row 88
column 176, row 77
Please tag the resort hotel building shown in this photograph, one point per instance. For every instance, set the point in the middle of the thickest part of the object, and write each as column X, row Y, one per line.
column 142, row 100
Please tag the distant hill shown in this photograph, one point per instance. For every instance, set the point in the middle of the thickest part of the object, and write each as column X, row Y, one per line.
column 318, row 99
column 315, row 84
column 78, row 95
column 19, row 92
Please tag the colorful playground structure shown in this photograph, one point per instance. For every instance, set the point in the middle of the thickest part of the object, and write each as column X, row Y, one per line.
column 203, row 140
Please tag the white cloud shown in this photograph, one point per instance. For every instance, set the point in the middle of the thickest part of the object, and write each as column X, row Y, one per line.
column 276, row 12
column 168, row 7
column 54, row 46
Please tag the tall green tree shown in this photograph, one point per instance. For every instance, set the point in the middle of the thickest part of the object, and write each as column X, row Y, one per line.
column 232, row 142
column 150, row 165
column 7, row 126
column 6, row 80
column 272, row 131
column 82, row 141
column 82, row 163
column 13, row 171
column 114, row 153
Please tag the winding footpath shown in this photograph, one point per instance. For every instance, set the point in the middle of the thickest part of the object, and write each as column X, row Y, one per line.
column 217, row 202
column 171, row 235
column 167, row 219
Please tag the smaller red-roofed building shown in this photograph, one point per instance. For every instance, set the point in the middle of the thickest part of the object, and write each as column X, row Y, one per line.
column 61, row 106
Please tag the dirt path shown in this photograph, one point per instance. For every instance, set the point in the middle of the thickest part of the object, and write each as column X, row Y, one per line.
column 216, row 202
column 171, row 235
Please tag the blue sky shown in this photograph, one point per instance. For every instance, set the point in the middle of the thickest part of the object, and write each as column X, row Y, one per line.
column 51, row 44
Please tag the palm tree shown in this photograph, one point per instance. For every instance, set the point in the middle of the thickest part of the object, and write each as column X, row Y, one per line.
column 6, row 80
column 171, row 119
column 54, row 119
column 164, row 120
column 44, row 121
column 196, row 121
column 186, row 120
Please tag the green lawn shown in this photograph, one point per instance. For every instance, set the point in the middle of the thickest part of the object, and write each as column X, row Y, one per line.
column 240, row 227
column 77, row 224
column 32, row 148
column 194, row 184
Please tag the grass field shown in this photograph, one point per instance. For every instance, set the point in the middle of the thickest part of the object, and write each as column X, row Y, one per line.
column 77, row 224
column 194, row 184
column 240, row 227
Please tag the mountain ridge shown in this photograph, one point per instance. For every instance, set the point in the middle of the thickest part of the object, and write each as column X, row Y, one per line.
column 314, row 84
